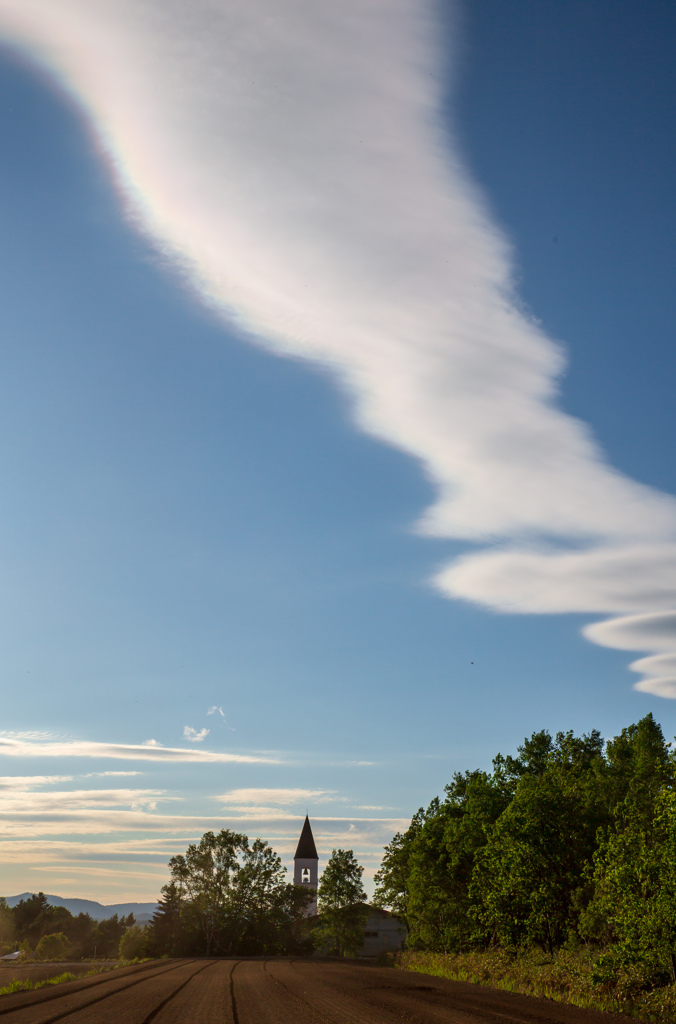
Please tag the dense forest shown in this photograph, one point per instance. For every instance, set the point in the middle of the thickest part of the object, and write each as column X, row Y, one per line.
column 572, row 842
column 53, row 932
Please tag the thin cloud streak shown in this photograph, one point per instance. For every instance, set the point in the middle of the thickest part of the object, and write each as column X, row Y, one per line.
column 98, row 821
column 30, row 803
column 38, row 745
column 25, row 783
column 293, row 161
column 276, row 796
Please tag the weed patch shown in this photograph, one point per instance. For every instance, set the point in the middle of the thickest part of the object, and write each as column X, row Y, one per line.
column 572, row 977
column 27, row 985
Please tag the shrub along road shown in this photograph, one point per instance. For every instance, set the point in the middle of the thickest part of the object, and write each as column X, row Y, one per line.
column 280, row 992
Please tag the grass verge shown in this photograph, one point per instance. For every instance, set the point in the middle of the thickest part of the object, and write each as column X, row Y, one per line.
column 567, row 977
column 27, row 985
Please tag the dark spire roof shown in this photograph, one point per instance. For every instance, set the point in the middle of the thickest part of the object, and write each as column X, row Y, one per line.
column 306, row 849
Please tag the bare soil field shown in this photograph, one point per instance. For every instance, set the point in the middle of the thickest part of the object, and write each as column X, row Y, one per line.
column 280, row 991
column 10, row 972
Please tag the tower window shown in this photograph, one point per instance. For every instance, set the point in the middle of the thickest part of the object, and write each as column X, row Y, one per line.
column 305, row 875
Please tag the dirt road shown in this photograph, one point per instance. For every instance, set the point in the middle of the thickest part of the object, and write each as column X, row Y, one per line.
column 279, row 992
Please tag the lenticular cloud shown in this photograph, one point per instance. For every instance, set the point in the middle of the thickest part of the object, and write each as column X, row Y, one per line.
column 289, row 156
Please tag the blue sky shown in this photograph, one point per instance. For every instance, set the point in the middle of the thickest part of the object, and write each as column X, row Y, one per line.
column 191, row 520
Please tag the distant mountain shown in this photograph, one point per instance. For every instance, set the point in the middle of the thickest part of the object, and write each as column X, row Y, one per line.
column 141, row 911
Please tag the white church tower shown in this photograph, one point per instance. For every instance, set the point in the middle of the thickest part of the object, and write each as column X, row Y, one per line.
column 306, row 865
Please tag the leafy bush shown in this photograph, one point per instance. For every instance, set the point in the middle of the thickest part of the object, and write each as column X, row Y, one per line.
column 52, row 947
column 133, row 943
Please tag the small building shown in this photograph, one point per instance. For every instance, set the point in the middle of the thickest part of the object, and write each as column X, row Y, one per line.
column 306, row 865
column 383, row 933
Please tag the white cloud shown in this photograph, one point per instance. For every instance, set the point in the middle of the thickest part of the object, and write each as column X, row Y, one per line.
column 372, row 807
column 214, row 710
column 606, row 578
column 93, row 775
column 654, row 631
column 193, row 735
column 42, row 745
column 292, row 157
column 270, row 797
column 33, row 804
column 28, row 782
column 94, row 857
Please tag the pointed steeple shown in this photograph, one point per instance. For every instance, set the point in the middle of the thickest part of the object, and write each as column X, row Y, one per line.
column 306, row 866
column 306, row 849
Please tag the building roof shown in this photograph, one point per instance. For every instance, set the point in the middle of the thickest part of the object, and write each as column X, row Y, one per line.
column 306, row 849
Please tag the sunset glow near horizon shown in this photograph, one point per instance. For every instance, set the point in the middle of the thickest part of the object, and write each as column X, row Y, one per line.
column 337, row 405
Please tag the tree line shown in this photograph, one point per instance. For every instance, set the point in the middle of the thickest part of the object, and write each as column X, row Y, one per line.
column 35, row 927
column 571, row 842
column 228, row 895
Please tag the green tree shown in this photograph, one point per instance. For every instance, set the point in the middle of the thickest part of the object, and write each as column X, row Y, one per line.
column 204, row 879
column 527, row 879
column 233, row 895
column 30, row 917
column 394, row 875
column 342, row 905
column 6, row 927
column 635, row 884
column 80, row 931
column 34, row 917
column 106, row 935
column 166, row 932
column 441, row 901
column 640, row 765
column 133, row 942
column 262, row 904
column 426, row 872
column 52, row 947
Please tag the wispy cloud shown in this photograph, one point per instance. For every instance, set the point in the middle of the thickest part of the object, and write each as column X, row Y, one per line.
column 94, row 775
column 98, row 858
column 372, row 807
column 121, row 838
column 44, row 745
column 265, row 155
column 29, row 803
column 217, row 710
column 193, row 735
column 276, row 797
column 27, row 782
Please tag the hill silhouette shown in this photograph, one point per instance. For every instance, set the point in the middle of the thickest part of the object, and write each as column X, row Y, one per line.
column 99, row 911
